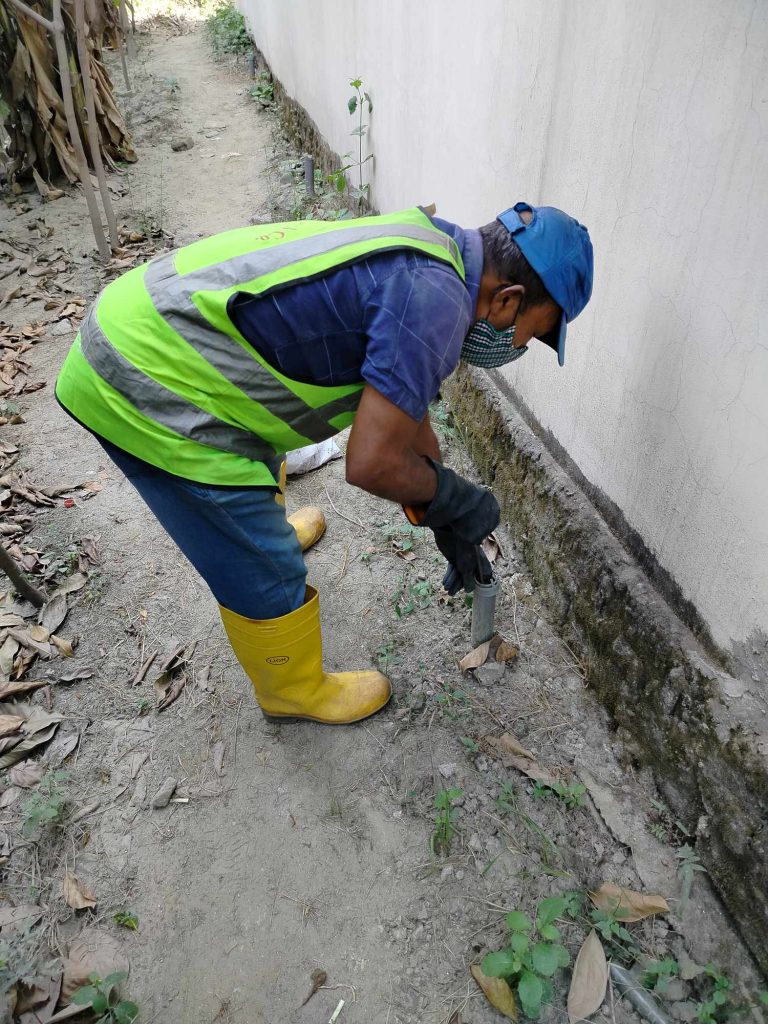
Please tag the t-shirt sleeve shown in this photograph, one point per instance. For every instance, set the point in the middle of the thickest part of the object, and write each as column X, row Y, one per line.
column 415, row 321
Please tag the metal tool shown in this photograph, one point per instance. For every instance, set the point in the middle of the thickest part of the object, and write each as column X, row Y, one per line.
column 483, row 601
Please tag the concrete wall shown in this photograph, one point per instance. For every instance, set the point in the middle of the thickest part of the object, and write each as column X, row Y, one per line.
column 648, row 122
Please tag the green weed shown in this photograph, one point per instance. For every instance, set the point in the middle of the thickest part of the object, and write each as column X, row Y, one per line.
column 659, row 973
column 571, row 795
column 527, row 964
column 621, row 945
column 338, row 179
column 417, row 596
column 688, row 865
column 264, row 90
column 386, row 657
column 227, row 31
column 445, row 822
column 127, row 919
column 45, row 807
column 717, row 1006
column 101, row 995
column 471, row 746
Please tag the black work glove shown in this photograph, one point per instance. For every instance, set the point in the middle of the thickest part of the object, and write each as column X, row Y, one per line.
column 471, row 512
column 466, row 562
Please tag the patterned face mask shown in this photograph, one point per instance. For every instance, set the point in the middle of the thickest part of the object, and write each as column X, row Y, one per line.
column 485, row 346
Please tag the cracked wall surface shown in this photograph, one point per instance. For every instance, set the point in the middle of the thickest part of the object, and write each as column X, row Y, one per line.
column 648, row 122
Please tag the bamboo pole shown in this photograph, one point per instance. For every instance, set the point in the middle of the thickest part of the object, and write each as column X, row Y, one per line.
column 92, row 127
column 57, row 28
column 23, row 587
column 121, row 37
column 74, row 132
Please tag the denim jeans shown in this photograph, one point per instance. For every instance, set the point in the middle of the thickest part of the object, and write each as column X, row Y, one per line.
column 238, row 540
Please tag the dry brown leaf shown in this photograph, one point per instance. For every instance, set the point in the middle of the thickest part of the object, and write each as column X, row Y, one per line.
column 172, row 693
column 506, row 651
column 95, row 951
column 64, row 646
column 589, row 981
column 54, row 612
column 626, row 904
column 76, row 893
column 74, row 582
column 26, row 914
column 497, row 992
column 27, row 774
column 475, row 658
column 26, row 686
column 514, row 755
column 10, row 724
column 317, row 979
column 9, row 797
column 217, row 750
column 38, row 1003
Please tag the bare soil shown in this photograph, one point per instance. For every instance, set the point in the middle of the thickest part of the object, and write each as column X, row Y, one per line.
column 307, row 847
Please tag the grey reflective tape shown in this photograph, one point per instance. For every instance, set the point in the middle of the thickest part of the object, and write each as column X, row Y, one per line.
column 160, row 404
column 171, row 294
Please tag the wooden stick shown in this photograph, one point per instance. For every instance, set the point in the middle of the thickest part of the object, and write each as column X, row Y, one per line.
column 19, row 580
column 92, row 127
column 33, row 15
column 121, row 44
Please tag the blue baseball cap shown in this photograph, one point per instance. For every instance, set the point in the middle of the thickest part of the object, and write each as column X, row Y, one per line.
column 559, row 250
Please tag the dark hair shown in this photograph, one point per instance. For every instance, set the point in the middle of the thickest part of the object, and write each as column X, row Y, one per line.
column 502, row 254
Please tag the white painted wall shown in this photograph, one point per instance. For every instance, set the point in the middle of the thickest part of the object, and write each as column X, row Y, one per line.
column 649, row 122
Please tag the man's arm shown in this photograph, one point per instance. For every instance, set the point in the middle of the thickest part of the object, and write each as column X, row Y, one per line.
column 385, row 454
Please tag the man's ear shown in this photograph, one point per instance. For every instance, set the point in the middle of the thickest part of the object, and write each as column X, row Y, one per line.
column 505, row 304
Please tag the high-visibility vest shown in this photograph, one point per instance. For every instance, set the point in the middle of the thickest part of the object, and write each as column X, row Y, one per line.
column 159, row 369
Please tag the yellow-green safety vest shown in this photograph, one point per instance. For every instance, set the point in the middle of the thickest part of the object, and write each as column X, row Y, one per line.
column 159, row 369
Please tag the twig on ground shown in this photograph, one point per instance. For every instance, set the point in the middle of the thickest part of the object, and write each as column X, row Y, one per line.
column 355, row 522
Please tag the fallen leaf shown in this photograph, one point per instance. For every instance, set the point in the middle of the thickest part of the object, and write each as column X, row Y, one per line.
column 9, row 797
column 76, row 893
column 589, row 981
column 626, row 904
column 506, row 651
column 53, row 613
column 137, row 761
column 513, row 755
column 491, row 548
column 62, row 746
column 27, row 774
column 73, row 677
column 94, row 951
column 25, row 686
column 203, row 678
column 218, row 757
column 475, row 658
column 38, row 1003
column 171, row 692
column 74, row 582
column 85, row 811
column 64, row 646
column 9, row 724
column 497, row 992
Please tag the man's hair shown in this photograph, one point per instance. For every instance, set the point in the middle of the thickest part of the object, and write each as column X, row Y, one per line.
column 502, row 254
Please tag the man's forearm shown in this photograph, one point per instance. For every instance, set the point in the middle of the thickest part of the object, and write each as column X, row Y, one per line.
column 406, row 478
column 426, row 442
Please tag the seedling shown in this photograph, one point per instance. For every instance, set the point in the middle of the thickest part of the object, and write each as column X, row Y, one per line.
column 688, row 865
column 127, row 919
column 659, row 973
column 571, row 795
column 355, row 105
column 103, row 999
column 418, row 596
column 526, row 964
column 264, row 90
column 717, row 1006
column 452, row 701
column 386, row 657
column 471, row 746
column 445, row 822
column 620, row 943
column 46, row 807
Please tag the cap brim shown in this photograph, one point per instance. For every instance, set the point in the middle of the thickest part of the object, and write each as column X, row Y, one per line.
column 556, row 339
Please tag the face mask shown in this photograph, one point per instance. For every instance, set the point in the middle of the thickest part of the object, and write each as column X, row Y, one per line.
column 485, row 346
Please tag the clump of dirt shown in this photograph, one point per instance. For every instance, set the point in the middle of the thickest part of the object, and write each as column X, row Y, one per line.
column 229, row 860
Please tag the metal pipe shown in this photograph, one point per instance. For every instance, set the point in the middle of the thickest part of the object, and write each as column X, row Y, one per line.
column 484, row 610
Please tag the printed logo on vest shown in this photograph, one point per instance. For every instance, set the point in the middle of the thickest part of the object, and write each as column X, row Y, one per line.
column 279, row 660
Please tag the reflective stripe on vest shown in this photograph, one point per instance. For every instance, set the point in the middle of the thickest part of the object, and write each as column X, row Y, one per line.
column 177, row 298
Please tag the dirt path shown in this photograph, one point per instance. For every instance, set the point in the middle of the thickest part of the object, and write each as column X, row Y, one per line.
column 304, row 847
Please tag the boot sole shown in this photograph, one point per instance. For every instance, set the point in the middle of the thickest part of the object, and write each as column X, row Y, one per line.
column 292, row 719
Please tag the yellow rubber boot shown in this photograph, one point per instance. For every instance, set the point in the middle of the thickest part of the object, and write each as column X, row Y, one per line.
column 308, row 522
column 284, row 660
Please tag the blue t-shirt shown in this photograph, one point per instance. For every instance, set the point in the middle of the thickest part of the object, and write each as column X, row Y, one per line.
column 395, row 320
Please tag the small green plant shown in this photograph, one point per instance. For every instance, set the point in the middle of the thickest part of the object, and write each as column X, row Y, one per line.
column 659, row 973
column 688, row 865
column 338, row 179
column 127, row 919
column 717, row 1006
column 418, row 596
column 264, row 90
column 527, row 964
column 445, row 822
column 452, row 701
column 471, row 746
column 386, row 656
column 227, row 31
column 46, row 807
column 619, row 941
column 173, row 85
column 102, row 996
column 571, row 794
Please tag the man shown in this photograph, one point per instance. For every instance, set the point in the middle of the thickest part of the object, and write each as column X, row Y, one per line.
column 198, row 371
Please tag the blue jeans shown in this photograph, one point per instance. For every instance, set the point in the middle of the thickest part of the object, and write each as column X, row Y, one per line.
column 238, row 540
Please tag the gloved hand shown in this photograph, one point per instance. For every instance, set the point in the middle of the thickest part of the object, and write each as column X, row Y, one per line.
column 471, row 512
column 466, row 562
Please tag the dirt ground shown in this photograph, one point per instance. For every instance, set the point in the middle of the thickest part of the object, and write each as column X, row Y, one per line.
column 295, row 848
